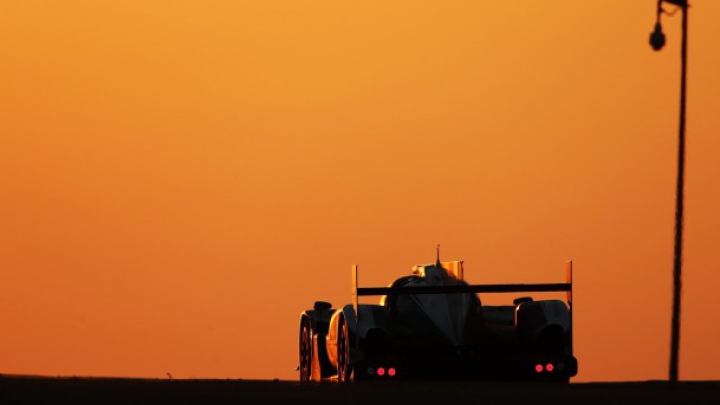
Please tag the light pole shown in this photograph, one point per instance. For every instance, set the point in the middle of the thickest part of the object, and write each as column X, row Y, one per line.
column 657, row 41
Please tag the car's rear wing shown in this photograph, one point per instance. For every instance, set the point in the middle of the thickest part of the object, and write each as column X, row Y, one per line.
column 567, row 287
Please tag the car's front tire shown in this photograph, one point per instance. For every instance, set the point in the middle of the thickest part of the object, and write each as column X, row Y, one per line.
column 305, row 350
column 343, row 354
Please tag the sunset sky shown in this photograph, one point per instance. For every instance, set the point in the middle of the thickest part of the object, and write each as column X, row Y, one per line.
column 180, row 179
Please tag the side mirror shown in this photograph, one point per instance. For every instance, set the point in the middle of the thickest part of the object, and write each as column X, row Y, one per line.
column 520, row 300
column 322, row 305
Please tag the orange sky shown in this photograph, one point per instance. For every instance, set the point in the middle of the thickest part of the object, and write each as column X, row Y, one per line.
column 181, row 178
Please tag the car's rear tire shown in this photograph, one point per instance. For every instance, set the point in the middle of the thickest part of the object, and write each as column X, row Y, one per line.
column 343, row 354
column 305, row 350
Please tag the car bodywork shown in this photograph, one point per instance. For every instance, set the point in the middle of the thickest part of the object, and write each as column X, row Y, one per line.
column 432, row 324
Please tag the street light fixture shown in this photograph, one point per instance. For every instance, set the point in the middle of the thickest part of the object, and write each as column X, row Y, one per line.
column 657, row 41
column 657, row 38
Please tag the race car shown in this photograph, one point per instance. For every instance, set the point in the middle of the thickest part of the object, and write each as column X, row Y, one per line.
column 432, row 324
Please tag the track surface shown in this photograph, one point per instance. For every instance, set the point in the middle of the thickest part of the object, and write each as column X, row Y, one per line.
column 37, row 390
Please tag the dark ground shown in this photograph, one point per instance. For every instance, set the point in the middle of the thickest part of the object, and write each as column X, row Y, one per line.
column 38, row 390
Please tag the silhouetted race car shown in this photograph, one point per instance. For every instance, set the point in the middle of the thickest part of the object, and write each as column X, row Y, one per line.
column 432, row 324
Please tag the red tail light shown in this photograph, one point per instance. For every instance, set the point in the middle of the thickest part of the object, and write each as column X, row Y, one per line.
column 380, row 371
column 539, row 368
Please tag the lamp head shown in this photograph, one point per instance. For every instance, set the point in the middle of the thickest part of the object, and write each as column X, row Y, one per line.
column 657, row 38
